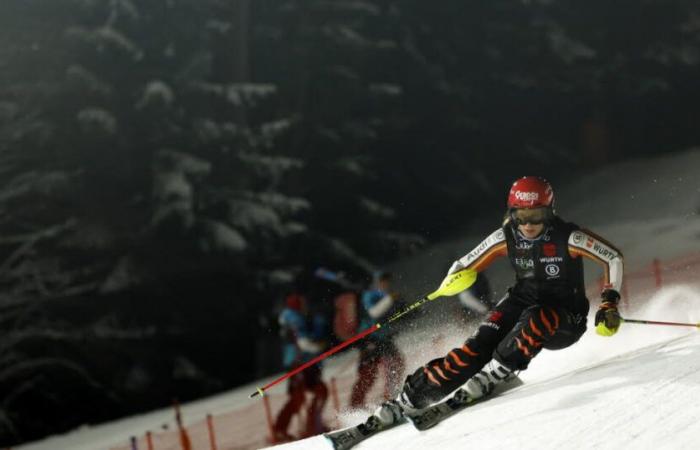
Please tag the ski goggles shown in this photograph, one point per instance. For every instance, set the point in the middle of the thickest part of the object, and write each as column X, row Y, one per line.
column 534, row 216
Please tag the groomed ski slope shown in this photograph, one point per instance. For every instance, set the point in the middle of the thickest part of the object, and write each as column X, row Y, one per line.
column 639, row 389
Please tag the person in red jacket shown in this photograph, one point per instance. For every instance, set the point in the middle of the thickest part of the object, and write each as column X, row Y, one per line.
column 545, row 308
column 305, row 336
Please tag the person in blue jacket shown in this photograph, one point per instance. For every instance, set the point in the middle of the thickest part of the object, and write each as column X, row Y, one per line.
column 378, row 303
column 477, row 300
column 304, row 337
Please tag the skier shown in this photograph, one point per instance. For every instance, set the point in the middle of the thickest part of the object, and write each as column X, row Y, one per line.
column 379, row 302
column 304, row 335
column 545, row 308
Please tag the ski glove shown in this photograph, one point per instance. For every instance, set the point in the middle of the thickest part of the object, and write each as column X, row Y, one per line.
column 607, row 319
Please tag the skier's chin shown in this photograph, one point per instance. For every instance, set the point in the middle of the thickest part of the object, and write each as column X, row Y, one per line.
column 531, row 232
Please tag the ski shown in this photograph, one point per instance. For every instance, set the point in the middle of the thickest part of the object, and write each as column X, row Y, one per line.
column 438, row 412
column 349, row 437
column 423, row 419
column 433, row 415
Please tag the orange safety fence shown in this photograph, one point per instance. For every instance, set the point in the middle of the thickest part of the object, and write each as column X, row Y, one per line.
column 250, row 427
column 657, row 274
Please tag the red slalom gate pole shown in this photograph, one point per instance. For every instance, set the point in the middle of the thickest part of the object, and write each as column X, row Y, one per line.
column 184, row 437
column 210, row 427
column 149, row 440
column 656, row 267
column 334, row 396
column 268, row 417
column 655, row 322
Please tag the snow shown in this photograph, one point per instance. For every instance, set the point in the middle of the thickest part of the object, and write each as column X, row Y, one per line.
column 376, row 209
column 388, row 89
column 106, row 37
column 97, row 119
column 156, row 92
column 636, row 389
column 568, row 49
column 221, row 237
column 87, row 80
column 239, row 94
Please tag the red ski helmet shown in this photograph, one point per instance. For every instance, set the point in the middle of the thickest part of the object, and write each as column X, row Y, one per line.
column 530, row 192
column 295, row 302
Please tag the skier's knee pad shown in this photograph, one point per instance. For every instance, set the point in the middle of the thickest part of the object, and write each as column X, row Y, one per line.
column 530, row 335
column 555, row 328
column 571, row 328
column 543, row 323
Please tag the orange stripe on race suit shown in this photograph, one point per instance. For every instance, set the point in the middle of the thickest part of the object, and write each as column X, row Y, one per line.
column 487, row 258
column 603, row 241
column 448, row 366
column 440, row 372
column 431, row 377
column 522, row 348
column 556, row 318
column 546, row 322
column 468, row 351
column 529, row 339
column 458, row 361
column 535, row 329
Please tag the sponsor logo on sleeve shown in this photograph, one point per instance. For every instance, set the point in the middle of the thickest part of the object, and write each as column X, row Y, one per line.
column 578, row 238
column 486, row 244
column 604, row 252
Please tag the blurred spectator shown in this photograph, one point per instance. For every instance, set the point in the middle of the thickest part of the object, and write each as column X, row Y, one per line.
column 345, row 302
column 478, row 299
column 378, row 303
column 305, row 334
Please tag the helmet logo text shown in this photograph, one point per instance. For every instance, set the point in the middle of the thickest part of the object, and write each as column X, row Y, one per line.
column 527, row 196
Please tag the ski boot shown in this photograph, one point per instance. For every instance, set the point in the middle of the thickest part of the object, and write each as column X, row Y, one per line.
column 388, row 415
column 394, row 411
column 494, row 377
column 483, row 383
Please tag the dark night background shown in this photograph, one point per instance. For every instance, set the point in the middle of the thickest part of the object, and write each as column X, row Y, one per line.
column 168, row 167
